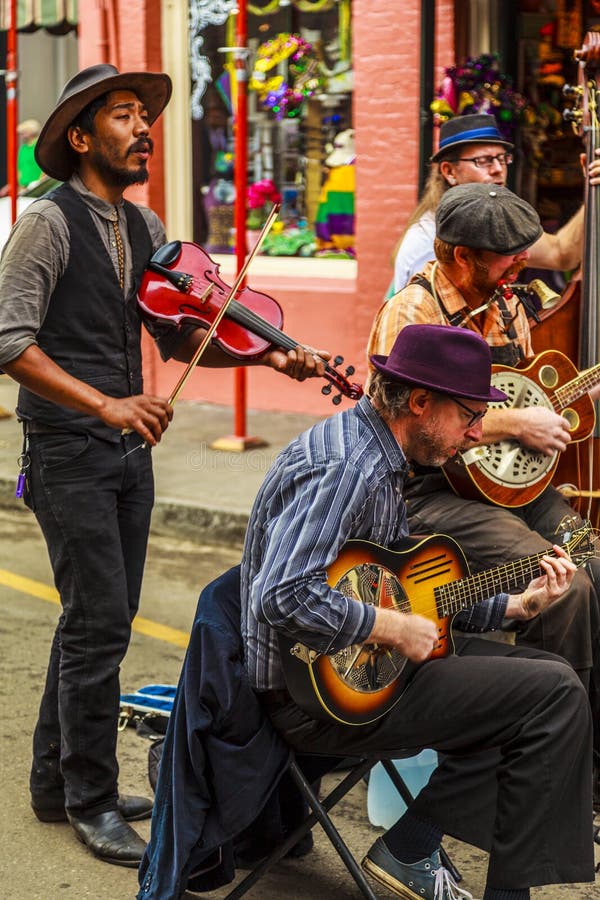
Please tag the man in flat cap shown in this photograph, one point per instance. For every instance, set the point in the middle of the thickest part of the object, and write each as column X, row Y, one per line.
column 483, row 235
column 473, row 150
column 70, row 335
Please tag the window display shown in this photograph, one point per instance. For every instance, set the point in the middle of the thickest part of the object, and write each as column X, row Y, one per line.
column 299, row 98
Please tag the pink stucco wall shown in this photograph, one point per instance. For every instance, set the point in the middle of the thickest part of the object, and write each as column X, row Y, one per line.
column 326, row 313
column 126, row 33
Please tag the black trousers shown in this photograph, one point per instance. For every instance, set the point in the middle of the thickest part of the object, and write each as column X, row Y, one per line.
column 515, row 779
column 94, row 510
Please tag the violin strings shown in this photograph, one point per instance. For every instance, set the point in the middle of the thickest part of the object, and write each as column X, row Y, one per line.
column 244, row 316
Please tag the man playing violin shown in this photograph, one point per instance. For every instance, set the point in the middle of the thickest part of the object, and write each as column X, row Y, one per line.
column 483, row 236
column 70, row 335
column 501, row 715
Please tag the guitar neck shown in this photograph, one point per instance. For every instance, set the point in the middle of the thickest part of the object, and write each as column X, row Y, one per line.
column 577, row 387
column 466, row 592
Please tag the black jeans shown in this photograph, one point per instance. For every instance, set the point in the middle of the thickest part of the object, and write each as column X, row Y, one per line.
column 515, row 778
column 94, row 508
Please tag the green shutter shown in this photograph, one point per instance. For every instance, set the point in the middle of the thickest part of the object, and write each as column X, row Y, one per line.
column 58, row 16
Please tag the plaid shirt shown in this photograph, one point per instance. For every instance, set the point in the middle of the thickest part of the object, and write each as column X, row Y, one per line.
column 414, row 305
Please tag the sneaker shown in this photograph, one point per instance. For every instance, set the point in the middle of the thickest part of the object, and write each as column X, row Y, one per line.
column 423, row 880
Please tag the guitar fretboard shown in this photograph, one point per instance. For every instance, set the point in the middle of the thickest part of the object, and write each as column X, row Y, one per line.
column 576, row 388
column 465, row 592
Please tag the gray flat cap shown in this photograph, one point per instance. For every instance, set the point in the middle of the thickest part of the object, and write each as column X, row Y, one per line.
column 487, row 217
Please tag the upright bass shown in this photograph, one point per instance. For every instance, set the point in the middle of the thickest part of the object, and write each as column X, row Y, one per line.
column 573, row 325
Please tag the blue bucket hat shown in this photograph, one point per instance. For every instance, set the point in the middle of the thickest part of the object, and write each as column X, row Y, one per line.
column 474, row 128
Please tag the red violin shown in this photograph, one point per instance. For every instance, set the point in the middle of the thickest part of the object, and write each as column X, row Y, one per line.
column 182, row 284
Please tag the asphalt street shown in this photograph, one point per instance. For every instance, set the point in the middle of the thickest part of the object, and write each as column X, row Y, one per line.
column 45, row 862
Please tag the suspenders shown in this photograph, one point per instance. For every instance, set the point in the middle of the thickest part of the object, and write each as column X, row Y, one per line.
column 509, row 355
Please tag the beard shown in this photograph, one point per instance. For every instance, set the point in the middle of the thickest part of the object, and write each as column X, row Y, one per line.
column 480, row 275
column 117, row 174
column 428, row 448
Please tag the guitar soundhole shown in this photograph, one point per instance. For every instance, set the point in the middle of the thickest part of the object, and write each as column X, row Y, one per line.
column 368, row 667
column 548, row 376
column 572, row 418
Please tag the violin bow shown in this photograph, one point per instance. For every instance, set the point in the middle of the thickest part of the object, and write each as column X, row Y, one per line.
column 214, row 325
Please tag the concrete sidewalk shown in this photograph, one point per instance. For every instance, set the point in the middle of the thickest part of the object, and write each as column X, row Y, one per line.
column 200, row 492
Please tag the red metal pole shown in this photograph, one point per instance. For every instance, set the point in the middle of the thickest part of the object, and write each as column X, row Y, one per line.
column 10, row 79
column 241, row 190
column 239, row 440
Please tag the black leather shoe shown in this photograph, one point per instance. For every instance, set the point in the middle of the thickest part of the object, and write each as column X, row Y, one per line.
column 133, row 809
column 110, row 838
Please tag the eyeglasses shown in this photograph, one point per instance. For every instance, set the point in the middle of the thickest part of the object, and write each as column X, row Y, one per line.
column 486, row 162
column 475, row 416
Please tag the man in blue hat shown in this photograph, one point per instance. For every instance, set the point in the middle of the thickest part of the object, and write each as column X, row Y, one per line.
column 70, row 334
column 500, row 715
column 473, row 151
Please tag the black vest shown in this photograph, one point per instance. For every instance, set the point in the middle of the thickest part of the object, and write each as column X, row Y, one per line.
column 90, row 330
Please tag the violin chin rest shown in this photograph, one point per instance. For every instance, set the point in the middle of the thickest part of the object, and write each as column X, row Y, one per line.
column 167, row 254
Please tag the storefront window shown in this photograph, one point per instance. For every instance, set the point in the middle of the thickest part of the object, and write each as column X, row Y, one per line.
column 551, row 176
column 300, row 137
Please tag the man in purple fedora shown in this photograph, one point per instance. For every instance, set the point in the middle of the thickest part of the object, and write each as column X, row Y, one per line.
column 498, row 715
column 70, row 334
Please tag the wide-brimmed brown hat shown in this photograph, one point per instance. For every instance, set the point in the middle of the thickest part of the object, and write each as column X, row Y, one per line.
column 52, row 151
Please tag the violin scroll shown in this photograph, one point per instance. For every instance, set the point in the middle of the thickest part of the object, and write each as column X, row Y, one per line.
column 339, row 381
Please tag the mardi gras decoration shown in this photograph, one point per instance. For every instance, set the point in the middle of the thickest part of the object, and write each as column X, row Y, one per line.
column 478, row 86
column 285, row 99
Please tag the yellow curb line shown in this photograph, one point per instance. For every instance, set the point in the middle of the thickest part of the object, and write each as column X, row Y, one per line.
column 44, row 592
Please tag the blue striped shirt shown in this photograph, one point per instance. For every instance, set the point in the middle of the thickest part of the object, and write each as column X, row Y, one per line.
column 341, row 479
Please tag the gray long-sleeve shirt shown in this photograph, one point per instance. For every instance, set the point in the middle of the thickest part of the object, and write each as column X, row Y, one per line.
column 36, row 256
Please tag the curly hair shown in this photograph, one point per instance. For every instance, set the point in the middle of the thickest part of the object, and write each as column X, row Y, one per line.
column 388, row 395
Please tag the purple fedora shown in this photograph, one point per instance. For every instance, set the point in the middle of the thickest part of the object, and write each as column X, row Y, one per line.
column 443, row 358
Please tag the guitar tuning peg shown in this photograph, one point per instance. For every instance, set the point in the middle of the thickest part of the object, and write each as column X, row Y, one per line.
column 326, row 389
column 350, row 370
column 338, row 360
column 337, row 399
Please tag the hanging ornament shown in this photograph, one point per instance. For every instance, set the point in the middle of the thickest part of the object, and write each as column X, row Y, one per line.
column 478, row 86
column 282, row 98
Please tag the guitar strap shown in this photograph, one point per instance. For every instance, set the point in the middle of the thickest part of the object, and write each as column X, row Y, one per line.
column 509, row 355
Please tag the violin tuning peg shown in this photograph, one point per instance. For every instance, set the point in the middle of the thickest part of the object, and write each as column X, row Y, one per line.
column 350, row 370
column 338, row 360
column 326, row 389
column 337, row 399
